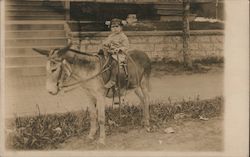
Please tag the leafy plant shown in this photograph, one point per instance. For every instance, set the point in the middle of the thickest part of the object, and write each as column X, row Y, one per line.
column 47, row 131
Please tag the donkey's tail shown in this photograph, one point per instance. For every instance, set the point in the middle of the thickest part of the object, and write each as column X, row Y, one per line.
column 147, row 77
column 148, row 84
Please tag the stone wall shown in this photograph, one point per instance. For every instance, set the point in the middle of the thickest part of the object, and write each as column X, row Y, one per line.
column 159, row 44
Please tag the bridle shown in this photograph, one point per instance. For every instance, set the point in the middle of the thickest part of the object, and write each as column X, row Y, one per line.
column 67, row 71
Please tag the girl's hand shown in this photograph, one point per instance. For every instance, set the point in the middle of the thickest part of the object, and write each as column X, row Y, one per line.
column 117, row 50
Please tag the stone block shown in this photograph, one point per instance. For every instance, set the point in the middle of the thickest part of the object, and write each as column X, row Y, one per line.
column 105, row 0
column 83, row 48
column 167, row 39
column 193, row 39
column 75, row 47
column 200, row 39
column 95, row 38
column 218, row 46
column 149, row 53
column 75, row 41
column 86, row 38
column 162, row 46
column 167, row 55
column 217, row 39
column 194, row 46
column 203, row 39
column 142, row 47
column 95, row 41
column 198, row 54
column 206, row 46
column 179, row 47
column 162, row 53
column 171, row 55
column 92, row 48
column 156, row 56
column 219, row 53
column 135, row 40
column 156, row 39
column 84, row 42
column 176, row 39
column 215, row 53
column 165, row 47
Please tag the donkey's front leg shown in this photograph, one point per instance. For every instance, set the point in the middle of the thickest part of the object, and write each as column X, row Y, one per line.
column 145, row 92
column 93, row 121
column 93, row 116
column 145, row 106
column 101, row 118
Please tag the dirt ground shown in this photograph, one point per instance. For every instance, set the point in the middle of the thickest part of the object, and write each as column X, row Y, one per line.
column 24, row 96
column 189, row 135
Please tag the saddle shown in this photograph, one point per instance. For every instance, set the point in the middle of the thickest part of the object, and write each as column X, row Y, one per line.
column 121, row 78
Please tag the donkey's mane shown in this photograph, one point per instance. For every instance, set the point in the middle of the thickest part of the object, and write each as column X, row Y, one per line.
column 84, row 60
column 82, row 53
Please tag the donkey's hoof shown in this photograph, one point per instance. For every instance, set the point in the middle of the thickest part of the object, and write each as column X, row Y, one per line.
column 90, row 138
column 101, row 141
column 148, row 129
column 146, row 124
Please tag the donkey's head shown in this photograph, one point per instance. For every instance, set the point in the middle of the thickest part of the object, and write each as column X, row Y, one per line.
column 54, row 67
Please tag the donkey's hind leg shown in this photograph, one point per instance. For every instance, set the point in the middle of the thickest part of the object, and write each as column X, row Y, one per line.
column 145, row 92
column 101, row 118
column 140, row 94
column 93, row 117
column 146, row 106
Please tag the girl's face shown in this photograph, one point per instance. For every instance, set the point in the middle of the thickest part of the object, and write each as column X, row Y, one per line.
column 116, row 29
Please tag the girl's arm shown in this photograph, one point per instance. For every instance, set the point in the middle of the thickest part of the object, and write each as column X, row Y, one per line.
column 125, row 44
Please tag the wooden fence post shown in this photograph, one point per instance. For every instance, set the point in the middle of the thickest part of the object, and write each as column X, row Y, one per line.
column 67, row 9
column 186, row 34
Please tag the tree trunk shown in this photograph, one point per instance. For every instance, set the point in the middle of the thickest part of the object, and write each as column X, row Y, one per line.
column 186, row 34
column 67, row 10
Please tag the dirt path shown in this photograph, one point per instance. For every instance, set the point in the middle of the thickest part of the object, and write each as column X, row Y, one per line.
column 189, row 135
column 179, row 87
column 23, row 96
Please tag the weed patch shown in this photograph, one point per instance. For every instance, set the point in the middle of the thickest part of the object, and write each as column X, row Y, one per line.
column 47, row 131
column 175, row 67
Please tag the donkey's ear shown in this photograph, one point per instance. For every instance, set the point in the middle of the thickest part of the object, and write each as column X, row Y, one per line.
column 124, row 22
column 101, row 52
column 65, row 49
column 41, row 51
column 107, row 23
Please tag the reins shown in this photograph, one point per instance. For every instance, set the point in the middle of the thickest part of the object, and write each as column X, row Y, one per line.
column 83, row 53
column 88, row 79
column 103, row 69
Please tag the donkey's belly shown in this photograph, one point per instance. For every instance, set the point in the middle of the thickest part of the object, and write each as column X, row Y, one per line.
column 126, row 83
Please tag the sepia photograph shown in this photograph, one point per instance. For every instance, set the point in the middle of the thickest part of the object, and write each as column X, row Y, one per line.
column 123, row 78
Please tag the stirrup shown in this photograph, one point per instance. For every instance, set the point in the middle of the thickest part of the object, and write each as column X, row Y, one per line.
column 125, row 70
column 109, row 84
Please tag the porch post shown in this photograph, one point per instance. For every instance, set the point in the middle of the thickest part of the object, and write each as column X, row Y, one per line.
column 186, row 34
column 67, row 9
column 216, row 9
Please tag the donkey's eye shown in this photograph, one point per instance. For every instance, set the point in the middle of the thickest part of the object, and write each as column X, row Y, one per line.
column 52, row 63
column 53, row 70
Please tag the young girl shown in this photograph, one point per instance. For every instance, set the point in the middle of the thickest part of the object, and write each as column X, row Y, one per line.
column 116, row 43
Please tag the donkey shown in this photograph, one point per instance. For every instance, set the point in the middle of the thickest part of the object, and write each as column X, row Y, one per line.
column 88, row 70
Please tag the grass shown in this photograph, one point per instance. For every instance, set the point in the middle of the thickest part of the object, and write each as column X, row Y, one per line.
column 175, row 67
column 47, row 131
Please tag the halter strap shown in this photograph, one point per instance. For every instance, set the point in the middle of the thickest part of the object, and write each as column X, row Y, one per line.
column 83, row 53
column 103, row 69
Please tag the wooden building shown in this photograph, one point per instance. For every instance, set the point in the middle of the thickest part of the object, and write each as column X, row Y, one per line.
column 50, row 23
